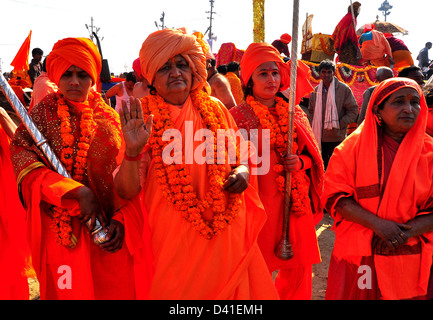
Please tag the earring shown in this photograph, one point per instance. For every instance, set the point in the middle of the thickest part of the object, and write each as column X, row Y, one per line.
column 379, row 118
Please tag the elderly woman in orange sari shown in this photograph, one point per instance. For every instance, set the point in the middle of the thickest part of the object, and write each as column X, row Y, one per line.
column 204, row 216
column 85, row 135
column 265, row 75
column 379, row 189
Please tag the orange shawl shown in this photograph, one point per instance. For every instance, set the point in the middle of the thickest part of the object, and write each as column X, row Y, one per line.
column 353, row 172
column 186, row 264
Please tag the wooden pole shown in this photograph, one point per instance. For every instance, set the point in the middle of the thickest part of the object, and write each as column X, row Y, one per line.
column 284, row 249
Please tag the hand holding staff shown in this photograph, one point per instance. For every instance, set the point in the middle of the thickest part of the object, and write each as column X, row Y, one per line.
column 284, row 249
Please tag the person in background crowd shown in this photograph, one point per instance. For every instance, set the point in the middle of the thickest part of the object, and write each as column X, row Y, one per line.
column 233, row 77
column 35, row 66
column 42, row 86
column 122, row 91
column 332, row 107
column 413, row 73
column 282, row 45
column 382, row 74
column 345, row 38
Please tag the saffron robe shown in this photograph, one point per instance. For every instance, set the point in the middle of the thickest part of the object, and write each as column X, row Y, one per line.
column 353, row 171
column 186, row 264
column 302, row 234
column 85, row 271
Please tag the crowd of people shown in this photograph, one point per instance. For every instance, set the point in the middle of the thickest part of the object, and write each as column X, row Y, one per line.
column 190, row 216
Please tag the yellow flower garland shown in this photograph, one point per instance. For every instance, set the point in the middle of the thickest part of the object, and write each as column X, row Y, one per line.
column 300, row 183
column 175, row 179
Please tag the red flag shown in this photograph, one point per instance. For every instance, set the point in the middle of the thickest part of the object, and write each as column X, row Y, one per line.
column 21, row 60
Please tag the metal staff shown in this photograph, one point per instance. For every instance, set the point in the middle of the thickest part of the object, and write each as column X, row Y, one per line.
column 284, row 249
column 97, row 232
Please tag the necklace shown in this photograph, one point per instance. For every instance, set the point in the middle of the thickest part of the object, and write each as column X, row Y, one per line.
column 175, row 179
column 300, row 183
column 77, row 167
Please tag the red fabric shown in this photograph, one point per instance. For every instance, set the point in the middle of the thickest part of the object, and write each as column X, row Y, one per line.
column 14, row 250
column 345, row 32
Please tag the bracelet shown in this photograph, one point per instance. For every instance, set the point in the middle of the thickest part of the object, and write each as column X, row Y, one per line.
column 136, row 158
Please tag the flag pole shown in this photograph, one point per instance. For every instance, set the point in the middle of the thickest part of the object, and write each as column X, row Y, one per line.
column 284, row 249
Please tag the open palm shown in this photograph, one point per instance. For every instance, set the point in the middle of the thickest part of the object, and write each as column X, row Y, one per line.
column 135, row 131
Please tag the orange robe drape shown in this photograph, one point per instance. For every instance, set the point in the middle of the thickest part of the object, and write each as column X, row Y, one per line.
column 188, row 266
column 302, row 232
column 353, row 172
column 91, row 272
column 14, row 250
column 374, row 50
column 236, row 87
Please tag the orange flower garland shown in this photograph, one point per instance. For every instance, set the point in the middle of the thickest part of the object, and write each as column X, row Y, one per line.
column 175, row 179
column 300, row 183
column 61, row 217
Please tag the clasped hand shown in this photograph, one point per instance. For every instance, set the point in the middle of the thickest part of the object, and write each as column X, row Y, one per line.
column 389, row 235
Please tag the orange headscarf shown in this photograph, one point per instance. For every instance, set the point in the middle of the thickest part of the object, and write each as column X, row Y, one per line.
column 79, row 52
column 259, row 53
column 353, row 172
column 162, row 45
column 136, row 65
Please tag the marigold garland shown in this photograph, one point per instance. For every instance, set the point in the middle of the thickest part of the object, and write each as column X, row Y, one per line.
column 175, row 179
column 300, row 183
column 76, row 167
column 357, row 73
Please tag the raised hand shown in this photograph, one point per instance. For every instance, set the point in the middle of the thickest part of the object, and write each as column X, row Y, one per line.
column 135, row 132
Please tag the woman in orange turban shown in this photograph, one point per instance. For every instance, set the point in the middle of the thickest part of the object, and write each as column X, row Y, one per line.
column 266, row 75
column 379, row 189
column 204, row 216
column 84, row 133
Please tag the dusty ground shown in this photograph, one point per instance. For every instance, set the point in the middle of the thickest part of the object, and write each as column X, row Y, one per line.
column 320, row 271
column 326, row 238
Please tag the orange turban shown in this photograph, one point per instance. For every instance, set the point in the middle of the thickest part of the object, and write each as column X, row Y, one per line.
column 162, row 45
column 79, row 52
column 137, row 67
column 259, row 53
column 286, row 38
